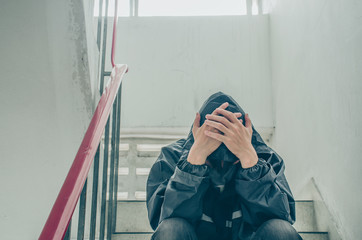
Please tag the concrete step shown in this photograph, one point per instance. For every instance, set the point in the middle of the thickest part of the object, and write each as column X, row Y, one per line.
column 149, row 150
column 147, row 236
column 306, row 219
column 314, row 235
column 131, row 236
column 132, row 217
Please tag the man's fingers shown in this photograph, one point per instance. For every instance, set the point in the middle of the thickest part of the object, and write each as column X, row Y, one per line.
column 222, row 106
column 216, row 136
column 217, row 125
column 229, row 115
column 219, row 119
column 238, row 114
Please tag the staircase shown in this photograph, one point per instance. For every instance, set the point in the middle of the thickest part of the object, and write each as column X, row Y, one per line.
column 137, row 155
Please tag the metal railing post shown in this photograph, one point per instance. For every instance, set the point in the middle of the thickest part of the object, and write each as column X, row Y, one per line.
column 118, row 135
column 93, row 218
column 69, row 231
column 104, row 182
column 106, row 135
column 104, row 43
column 82, row 208
column 112, row 171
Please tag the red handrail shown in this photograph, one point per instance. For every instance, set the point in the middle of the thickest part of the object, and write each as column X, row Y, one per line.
column 62, row 211
column 63, row 208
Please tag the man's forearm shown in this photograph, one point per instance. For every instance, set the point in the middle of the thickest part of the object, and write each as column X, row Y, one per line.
column 248, row 158
column 196, row 157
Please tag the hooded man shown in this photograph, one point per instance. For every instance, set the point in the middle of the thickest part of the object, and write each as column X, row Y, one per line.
column 220, row 183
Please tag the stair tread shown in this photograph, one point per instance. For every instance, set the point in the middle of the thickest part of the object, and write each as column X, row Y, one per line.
column 144, row 236
column 132, row 217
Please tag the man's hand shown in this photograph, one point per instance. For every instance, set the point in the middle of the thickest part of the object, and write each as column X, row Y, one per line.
column 203, row 145
column 233, row 134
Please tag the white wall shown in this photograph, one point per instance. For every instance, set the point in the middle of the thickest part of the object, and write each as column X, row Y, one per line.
column 175, row 63
column 316, row 74
column 46, row 104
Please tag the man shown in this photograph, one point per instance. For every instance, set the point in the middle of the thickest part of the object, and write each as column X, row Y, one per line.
column 220, row 183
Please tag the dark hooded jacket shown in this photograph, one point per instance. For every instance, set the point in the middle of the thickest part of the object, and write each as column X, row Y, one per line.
column 223, row 203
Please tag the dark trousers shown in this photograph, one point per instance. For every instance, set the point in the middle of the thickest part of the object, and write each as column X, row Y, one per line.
column 180, row 229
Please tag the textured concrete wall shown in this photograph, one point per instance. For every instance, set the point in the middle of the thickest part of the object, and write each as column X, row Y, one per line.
column 46, row 104
column 316, row 75
column 175, row 63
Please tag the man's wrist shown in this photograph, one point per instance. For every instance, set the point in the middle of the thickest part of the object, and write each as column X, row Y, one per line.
column 248, row 158
column 196, row 157
column 249, row 163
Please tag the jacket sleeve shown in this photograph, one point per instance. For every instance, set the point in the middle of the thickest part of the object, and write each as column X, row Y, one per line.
column 178, row 194
column 264, row 191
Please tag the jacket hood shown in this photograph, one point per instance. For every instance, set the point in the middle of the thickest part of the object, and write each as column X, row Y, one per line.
column 221, row 153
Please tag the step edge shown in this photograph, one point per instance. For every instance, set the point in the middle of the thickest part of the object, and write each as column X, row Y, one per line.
column 302, row 232
column 135, row 200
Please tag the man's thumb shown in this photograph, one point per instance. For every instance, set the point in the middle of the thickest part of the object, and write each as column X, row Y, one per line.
column 196, row 124
column 248, row 123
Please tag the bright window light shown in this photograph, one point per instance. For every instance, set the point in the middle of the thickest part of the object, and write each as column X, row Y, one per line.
column 123, row 8
column 191, row 7
column 254, row 8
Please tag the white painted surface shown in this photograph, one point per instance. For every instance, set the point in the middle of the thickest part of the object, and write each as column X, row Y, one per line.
column 317, row 71
column 46, row 104
column 176, row 63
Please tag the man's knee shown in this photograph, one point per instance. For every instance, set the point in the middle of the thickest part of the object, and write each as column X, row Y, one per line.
column 276, row 229
column 174, row 229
